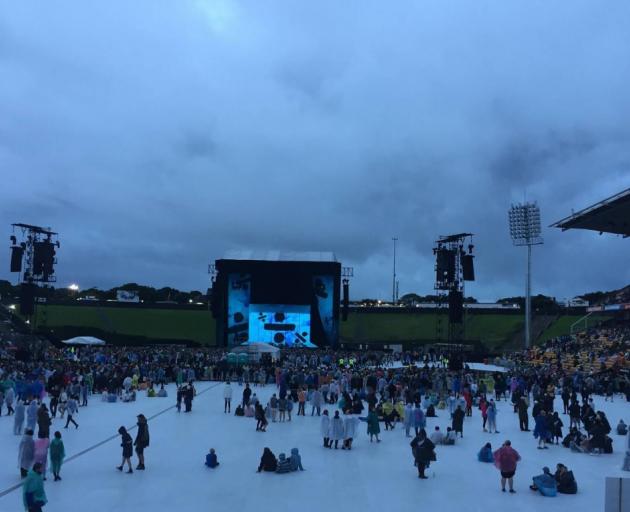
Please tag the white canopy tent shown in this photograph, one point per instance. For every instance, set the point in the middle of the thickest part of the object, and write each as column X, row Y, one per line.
column 256, row 349
column 84, row 340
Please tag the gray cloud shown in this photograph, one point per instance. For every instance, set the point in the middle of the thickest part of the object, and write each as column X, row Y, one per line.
column 154, row 137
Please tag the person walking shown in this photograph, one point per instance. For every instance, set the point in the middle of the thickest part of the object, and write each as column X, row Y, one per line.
column 33, row 494
column 142, row 440
column 227, row 398
column 73, row 409
column 127, row 449
column 261, row 419
column 41, row 445
column 506, row 459
column 57, row 454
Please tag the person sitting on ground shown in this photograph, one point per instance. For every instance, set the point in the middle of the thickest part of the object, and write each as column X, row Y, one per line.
column 565, row 480
column 295, row 460
column 431, row 412
column 622, row 428
column 249, row 411
column 284, row 464
column 545, row 483
column 151, row 392
column 162, row 393
column 437, row 437
column 574, row 436
column 450, row 437
column 485, row 454
column 211, row 459
column 268, row 461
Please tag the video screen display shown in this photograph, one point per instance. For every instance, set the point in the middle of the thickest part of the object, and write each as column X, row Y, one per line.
column 239, row 291
column 281, row 324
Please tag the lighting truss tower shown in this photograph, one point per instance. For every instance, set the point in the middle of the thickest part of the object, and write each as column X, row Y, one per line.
column 525, row 230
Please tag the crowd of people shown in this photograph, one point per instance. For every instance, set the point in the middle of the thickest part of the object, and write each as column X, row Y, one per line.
column 342, row 388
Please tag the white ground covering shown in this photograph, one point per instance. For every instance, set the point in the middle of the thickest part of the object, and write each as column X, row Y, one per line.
column 372, row 477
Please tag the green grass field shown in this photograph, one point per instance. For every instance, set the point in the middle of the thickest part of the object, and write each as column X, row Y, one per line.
column 493, row 330
column 158, row 324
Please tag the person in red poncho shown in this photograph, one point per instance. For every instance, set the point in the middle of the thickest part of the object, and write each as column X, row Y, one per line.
column 505, row 459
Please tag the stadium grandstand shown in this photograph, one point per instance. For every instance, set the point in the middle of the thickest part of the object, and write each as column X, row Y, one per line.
column 612, row 215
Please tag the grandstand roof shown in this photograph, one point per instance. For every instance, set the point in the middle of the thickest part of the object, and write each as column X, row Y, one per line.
column 317, row 256
column 611, row 215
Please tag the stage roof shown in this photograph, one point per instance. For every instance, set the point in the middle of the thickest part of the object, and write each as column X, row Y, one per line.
column 611, row 215
column 313, row 256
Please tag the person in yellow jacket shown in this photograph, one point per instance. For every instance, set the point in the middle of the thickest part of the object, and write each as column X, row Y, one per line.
column 400, row 410
column 388, row 414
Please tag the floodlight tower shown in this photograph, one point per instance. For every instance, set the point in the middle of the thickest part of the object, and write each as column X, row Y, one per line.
column 525, row 230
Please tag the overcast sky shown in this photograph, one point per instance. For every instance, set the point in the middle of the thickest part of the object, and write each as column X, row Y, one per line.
column 154, row 136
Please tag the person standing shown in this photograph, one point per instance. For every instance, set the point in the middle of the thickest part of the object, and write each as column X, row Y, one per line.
column 73, row 409
column 26, row 453
column 458, row 421
column 506, row 459
column 18, row 418
column 408, row 419
column 423, row 452
column 127, row 446
column 301, row 402
column 189, row 393
column 492, row 417
column 523, row 415
column 31, row 415
column 483, row 407
column 324, row 428
column 33, row 494
column 373, row 427
column 316, row 402
column 142, row 440
column 227, row 398
column 336, row 431
column 273, row 407
column 9, row 398
column 43, row 422
column 57, row 454
column 247, row 393
column 41, row 453
column 350, row 430
column 541, row 430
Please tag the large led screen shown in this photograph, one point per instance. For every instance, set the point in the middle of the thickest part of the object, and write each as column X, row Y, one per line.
column 280, row 324
column 239, row 291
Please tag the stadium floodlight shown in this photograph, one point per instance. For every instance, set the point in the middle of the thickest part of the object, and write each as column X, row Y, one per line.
column 525, row 230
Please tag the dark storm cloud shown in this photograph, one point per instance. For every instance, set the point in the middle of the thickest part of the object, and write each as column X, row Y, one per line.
column 154, row 136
